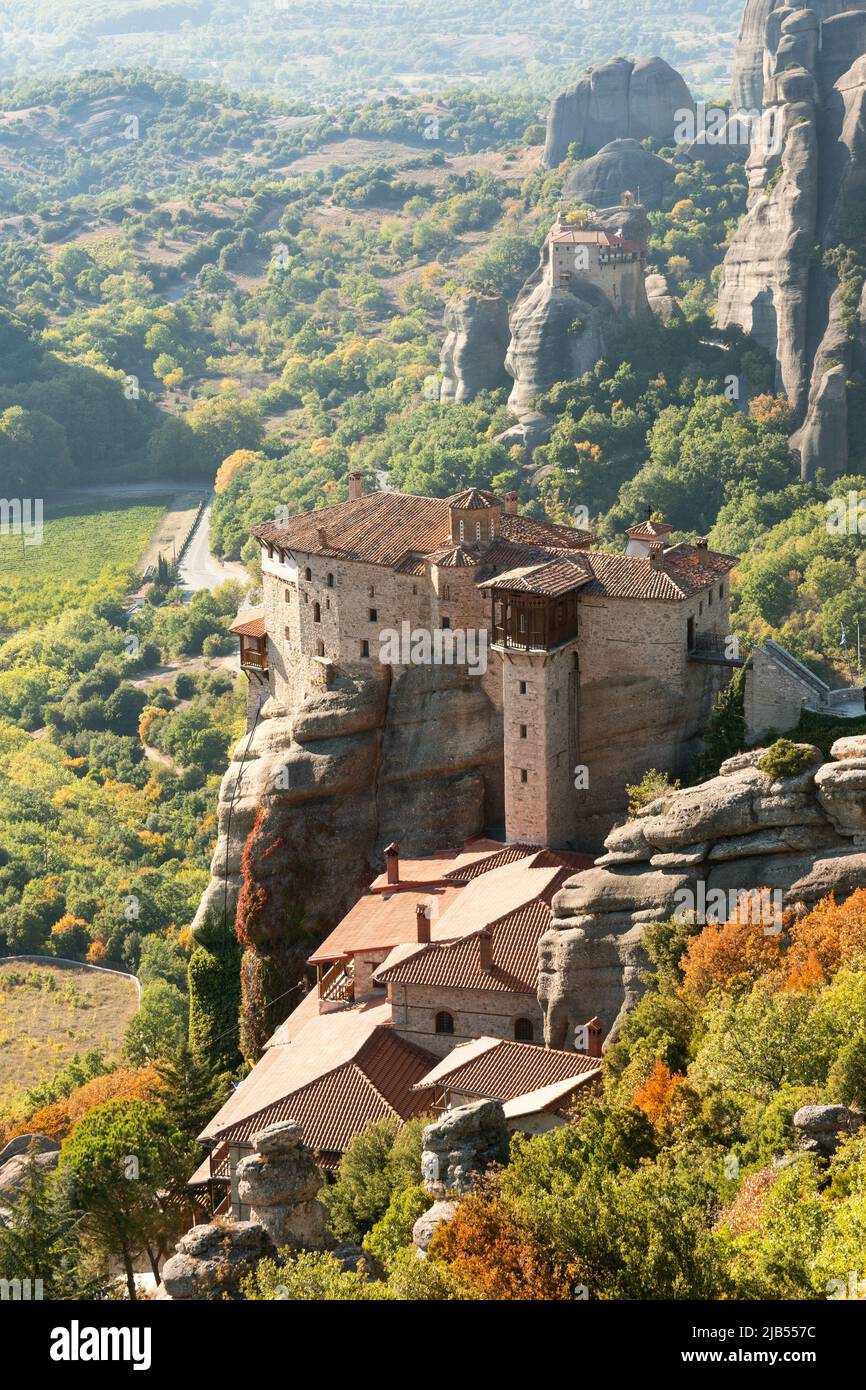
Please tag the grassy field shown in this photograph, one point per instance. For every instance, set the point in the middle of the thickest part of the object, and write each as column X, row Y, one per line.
column 48, row 1012
column 88, row 551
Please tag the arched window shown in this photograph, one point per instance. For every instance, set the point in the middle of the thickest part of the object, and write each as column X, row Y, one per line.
column 444, row 1022
column 317, row 613
column 308, row 573
column 330, row 580
column 524, row 1030
column 320, row 649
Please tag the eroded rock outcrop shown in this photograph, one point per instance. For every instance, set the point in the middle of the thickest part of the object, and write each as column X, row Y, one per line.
column 786, row 842
column 356, row 765
column 619, row 99
column 821, row 1128
column 279, row 1181
column 807, row 172
column 473, row 354
column 619, row 167
column 556, row 335
column 460, row 1145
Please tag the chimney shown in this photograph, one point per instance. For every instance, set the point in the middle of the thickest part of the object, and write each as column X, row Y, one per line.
column 703, row 550
column 323, row 536
column 511, row 500
column 485, row 951
column 595, row 1035
column 422, row 923
column 355, row 486
column 392, row 862
column 656, row 551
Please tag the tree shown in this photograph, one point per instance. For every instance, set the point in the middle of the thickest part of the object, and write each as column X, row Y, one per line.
column 215, row 997
column 122, row 1160
column 188, row 1090
column 40, row 1239
column 380, row 1160
column 160, row 1025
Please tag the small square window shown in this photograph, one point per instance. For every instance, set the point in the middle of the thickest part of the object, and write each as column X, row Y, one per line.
column 522, row 687
column 523, row 731
column 524, row 775
column 446, row 623
column 374, row 615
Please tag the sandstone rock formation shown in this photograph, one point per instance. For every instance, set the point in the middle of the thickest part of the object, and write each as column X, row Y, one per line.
column 556, row 335
column 211, row 1261
column 460, row 1145
column 473, row 354
column 356, row 765
column 698, row 850
column 662, row 302
column 279, row 1182
column 618, row 167
column 807, row 173
column 820, row 1128
column 619, row 99
column 429, row 1222
column 16, row 1159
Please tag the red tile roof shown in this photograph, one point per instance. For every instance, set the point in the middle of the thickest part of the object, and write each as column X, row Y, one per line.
column 504, row 1069
column 573, row 236
column 649, row 530
column 680, row 572
column 530, row 530
column 378, row 1083
column 249, row 623
column 473, row 499
column 457, row 964
column 552, row 579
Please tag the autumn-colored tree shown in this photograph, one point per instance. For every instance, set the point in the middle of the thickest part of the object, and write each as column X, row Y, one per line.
column 497, row 1256
column 729, row 956
column 232, row 466
column 770, row 410
column 58, row 1119
column 657, row 1095
column 97, row 952
column 828, row 937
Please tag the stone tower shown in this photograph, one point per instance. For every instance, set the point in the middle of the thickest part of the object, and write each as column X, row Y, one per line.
column 535, row 630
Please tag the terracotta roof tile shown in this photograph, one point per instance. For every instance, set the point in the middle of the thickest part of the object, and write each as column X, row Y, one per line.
column 250, row 622
column 552, row 579
column 376, row 1084
column 679, row 574
column 457, row 964
column 649, row 530
column 380, row 528
column 529, row 530
column 507, row 1069
column 473, row 499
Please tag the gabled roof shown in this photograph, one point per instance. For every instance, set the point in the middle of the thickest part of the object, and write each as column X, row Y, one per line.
column 681, row 571
column 250, row 622
column 377, row 1083
column 497, row 1069
column 650, row 531
column 457, row 964
column 551, row 579
column 573, row 236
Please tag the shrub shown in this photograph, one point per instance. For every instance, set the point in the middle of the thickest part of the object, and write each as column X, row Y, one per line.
column 652, row 785
column 786, row 759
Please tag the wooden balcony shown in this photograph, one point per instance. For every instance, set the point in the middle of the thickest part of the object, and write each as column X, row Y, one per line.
column 337, row 983
column 254, row 654
column 532, row 623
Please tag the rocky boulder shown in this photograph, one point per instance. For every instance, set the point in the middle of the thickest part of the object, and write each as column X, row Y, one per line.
column 555, row 336
column 620, row 165
column 279, row 1182
column 742, row 842
column 473, row 354
column 211, row 1261
column 619, row 99
column 820, row 1128
column 460, row 1145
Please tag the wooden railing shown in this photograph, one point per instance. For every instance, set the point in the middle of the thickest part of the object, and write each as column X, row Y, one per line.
column 337, row 985
column 257, row 660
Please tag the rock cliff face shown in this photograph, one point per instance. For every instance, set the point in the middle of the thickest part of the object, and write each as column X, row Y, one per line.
column 556, row 335
column 473, row 354
column 620, row 99
column 803, row 836
column 619, row 166
column 806, row 177
column 311, row 798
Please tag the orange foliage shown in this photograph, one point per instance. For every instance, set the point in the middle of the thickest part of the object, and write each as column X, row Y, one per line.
column 828, row 937
column 729, row 956
column 97, row 952
column 127, row 1083
column 232, row 466
column 497, row 1257
column 658, row 1093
